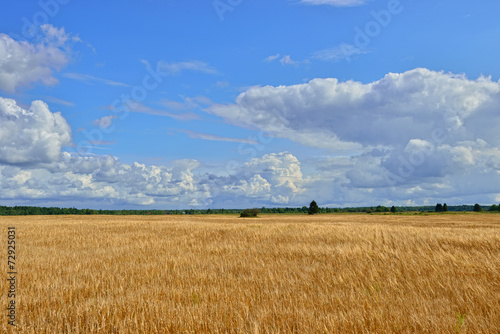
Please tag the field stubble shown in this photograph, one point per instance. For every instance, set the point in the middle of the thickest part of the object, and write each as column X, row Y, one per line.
column 222, row 274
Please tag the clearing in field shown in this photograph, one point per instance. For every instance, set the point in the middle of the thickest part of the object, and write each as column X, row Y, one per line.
column 273, row 274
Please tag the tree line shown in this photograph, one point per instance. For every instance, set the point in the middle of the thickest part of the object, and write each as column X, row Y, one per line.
column 476, row 208
column 34, row 210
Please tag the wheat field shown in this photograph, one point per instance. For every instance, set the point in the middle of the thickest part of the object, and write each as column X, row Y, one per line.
column 272, row 274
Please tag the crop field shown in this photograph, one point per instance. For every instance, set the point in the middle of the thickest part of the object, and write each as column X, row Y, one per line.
column 272, row 274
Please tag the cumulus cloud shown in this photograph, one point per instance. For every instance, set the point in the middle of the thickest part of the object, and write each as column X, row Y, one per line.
column 255, row 187
column 23, row 63
column 417, row 137
column 420, row 134
column 274, row 178
column 390, row 111
column 280, row 169
column 32, row 135
column 34, row 167
column 105, row 178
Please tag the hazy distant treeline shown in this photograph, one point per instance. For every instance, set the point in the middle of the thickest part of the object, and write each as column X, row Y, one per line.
column 33, row 210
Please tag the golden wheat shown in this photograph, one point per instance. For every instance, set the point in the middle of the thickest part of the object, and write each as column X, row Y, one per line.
column 273, row 274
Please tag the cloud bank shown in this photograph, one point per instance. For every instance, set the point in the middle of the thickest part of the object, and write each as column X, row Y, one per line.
column 417, row 135
column 34, row 167
column 411, row 138
column 326, row 113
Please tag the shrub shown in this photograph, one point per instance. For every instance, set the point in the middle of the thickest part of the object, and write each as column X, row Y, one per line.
column 250, row 213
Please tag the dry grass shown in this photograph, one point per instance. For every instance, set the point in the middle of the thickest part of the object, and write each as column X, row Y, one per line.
column 274, row 274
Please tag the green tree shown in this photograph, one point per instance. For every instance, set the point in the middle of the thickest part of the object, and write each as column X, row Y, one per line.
column 494, row 207
column 313, row 208
column 439, row 207
column 250, row 213
column 393, row 209
column 477, row 208
column 445, row 207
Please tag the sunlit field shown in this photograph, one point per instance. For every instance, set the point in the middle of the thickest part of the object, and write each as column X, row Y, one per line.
column 272, row 274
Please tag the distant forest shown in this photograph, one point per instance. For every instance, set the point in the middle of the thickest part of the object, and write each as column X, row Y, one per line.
column 32, row 210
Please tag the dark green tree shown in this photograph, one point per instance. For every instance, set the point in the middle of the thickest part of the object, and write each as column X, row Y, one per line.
column 393, row 209
column 445, row 207
column 313, row 208
column 250, row 213
column 439, row 207
column 477, row 208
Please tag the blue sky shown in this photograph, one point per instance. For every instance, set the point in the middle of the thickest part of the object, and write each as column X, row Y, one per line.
column 230, row 103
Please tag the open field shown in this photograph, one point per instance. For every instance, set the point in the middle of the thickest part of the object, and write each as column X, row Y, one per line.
column 222, row 274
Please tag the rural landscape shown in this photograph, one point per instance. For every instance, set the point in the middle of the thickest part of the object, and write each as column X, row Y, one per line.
column 260, row 167
column 324, row 273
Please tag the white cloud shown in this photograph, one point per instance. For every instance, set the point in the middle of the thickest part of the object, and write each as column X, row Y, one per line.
column 287, row 60
column 176, row 68
column 105, row 121
column 31, row 135
column 420, row 133
column 271, row 58
column 282, row 173
column 141, row 108
column 390, row 111
column 33, row 168
column 105, row 178
column 274, row 178
column 419, row 145
column 23, row 63
column 89, row 79
column 256, row 187
column 56, row 100
column 385, row 131
column 187, row 102
column 342, row 52
column 336, row 3
column 206, row 136
column 57, row 36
